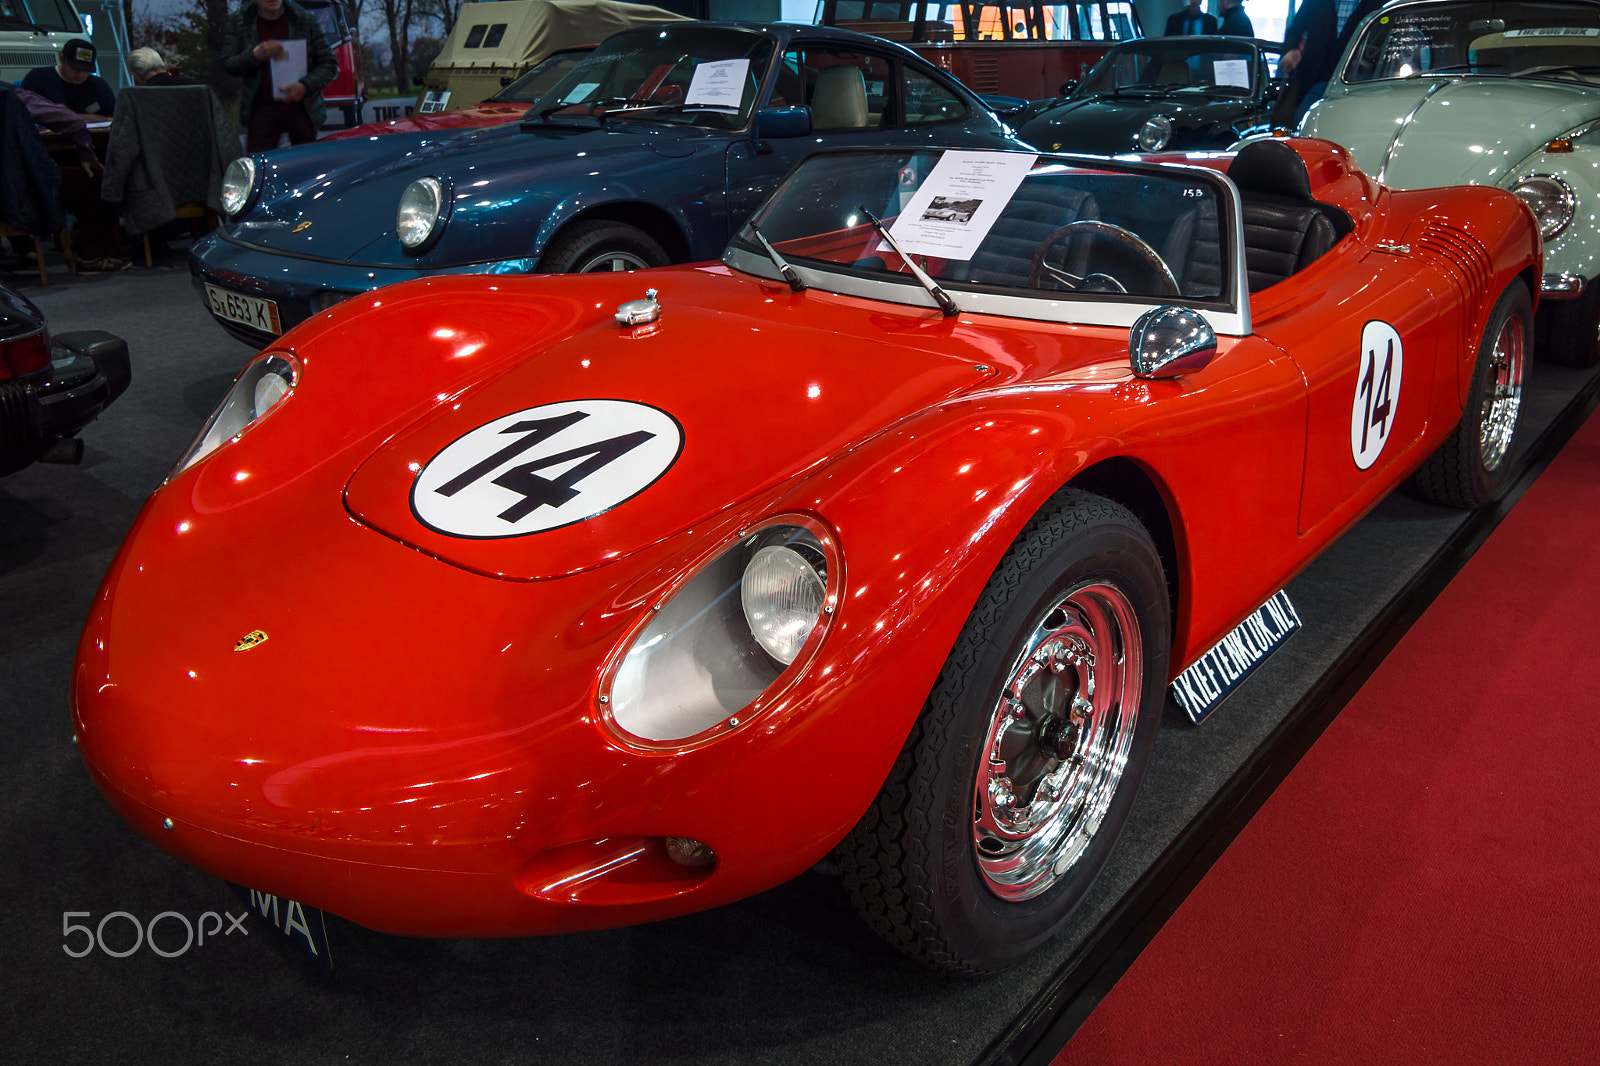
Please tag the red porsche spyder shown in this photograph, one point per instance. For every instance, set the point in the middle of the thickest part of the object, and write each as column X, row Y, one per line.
column 491, row 606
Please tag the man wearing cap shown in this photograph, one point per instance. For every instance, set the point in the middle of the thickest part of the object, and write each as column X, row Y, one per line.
column 73, row 83
column 255, row 37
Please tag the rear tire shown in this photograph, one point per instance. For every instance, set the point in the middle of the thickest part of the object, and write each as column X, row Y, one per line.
column 588, row 247
column 1013, row 786
column 1472, row 464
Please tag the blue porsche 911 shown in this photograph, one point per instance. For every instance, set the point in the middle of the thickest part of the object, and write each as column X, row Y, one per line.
column 652, row 151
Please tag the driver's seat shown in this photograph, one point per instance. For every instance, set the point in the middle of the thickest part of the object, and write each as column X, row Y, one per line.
column 1285, row 228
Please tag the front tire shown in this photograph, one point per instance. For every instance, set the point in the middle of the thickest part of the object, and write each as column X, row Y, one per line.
column 1017, row 778
column 1472, row 464
column 588, row 247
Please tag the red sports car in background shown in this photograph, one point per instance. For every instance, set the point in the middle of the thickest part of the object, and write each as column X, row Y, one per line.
column 610, row 597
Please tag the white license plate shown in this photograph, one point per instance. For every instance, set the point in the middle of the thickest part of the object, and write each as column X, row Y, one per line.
column 249, row 311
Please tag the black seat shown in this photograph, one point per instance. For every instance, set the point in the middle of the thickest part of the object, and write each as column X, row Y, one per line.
column 1285, row 229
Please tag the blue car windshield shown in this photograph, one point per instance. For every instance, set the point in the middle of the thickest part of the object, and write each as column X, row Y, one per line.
column 1174, row 64
column 1559, row 41
column 685, row 74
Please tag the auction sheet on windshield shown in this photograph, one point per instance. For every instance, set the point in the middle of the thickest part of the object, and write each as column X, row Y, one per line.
column 719, row 83
column 955, row 207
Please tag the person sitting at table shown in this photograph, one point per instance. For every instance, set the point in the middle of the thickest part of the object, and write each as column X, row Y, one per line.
column 148, row 68
column 73, row 82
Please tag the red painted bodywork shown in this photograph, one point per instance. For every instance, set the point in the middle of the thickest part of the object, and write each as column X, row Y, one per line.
column 419, row 744
column 484, row 114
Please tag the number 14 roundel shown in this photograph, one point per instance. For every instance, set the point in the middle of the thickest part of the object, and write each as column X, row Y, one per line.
column 545, row 467
column 1377, row 397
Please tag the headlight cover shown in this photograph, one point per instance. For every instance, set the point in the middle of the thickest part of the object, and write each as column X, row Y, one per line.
column 727, row 635
column 260, row 387
column 1154, row 134
column 239, row 185
column 420, row 217
column 1552, row 200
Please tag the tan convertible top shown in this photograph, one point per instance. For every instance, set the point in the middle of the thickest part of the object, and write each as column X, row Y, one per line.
column 492, row 43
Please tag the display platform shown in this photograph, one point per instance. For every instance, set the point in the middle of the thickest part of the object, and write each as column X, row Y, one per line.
column 789, row 976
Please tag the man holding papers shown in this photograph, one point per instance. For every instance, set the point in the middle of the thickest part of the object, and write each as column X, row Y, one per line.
column 277, row 47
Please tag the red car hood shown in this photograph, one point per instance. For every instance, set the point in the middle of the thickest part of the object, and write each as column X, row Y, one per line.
column 755, row 401
column 484, row 114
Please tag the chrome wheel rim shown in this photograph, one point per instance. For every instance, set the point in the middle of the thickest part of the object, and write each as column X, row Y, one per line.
column 1503, row 397
column 1058, row 741
column 611, row 260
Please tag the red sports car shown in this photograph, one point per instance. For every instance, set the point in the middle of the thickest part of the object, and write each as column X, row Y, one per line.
column 604, row 598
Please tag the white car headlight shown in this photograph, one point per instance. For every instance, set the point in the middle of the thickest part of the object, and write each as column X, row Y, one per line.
column 260, row 387
column 726, row 635
column 1154, row 134
column 1552, row 200
column 239, row 184
column 421, row 208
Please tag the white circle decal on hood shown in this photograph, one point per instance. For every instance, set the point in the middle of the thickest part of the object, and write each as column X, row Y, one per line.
column 545, row 467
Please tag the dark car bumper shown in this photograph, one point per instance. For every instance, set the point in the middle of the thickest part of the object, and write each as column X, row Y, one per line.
column 89, row 370
column 295, row 288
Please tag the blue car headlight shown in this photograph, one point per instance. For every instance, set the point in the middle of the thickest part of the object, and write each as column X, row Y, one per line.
column 259, row 388
column 239, row 185
column 421, row 215
column 728, row 634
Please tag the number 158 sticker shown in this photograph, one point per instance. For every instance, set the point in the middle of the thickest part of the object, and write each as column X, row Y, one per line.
column 1377, row 398
column 545, row 467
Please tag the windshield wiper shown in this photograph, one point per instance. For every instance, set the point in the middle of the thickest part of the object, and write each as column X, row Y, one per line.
column 790, row 274
column 942, row 298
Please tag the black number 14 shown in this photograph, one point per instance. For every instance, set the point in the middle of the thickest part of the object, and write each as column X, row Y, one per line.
column 538, row 491
column 1378, row 400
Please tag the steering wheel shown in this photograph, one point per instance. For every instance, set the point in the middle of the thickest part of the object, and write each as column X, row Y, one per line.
column 1040, row 270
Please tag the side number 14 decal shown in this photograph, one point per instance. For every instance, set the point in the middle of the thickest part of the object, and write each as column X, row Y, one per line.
column 1377, row 397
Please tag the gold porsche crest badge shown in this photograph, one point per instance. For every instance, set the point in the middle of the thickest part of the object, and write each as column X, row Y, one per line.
column 250, row 640
column 304, row 225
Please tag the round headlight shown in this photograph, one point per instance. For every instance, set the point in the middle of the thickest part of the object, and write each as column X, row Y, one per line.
column 260, row 387
column 782, row 593
column 238, row 185
column 1552, row 201
column 418, row 217
column 1154, row 134
column 725, row 637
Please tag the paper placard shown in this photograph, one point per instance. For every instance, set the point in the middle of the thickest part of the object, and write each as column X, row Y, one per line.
column 288, row 67
column 954, row 209
column 1234, row 72
column 718, row 84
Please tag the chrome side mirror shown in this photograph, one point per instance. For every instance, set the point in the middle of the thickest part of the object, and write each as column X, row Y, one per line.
column 1170, row 341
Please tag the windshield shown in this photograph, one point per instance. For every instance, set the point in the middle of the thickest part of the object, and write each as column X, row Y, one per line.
column 1558, row 41
column 691, row 74
column 540, row 78
column 1009, row 224
column 1171, row 64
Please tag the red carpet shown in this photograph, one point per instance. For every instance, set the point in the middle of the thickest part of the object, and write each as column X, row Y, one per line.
column 1424, row 887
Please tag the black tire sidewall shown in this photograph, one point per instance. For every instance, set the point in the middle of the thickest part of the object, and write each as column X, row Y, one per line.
column 978, row 927
column 584, row 241
column 1487, row 483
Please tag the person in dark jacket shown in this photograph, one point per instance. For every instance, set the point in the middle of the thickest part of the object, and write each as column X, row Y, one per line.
column 1190, row 21
column 72, row 82
column 1235, row 23
column 255, row 37
column 30, row 183
column 1317, row 37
